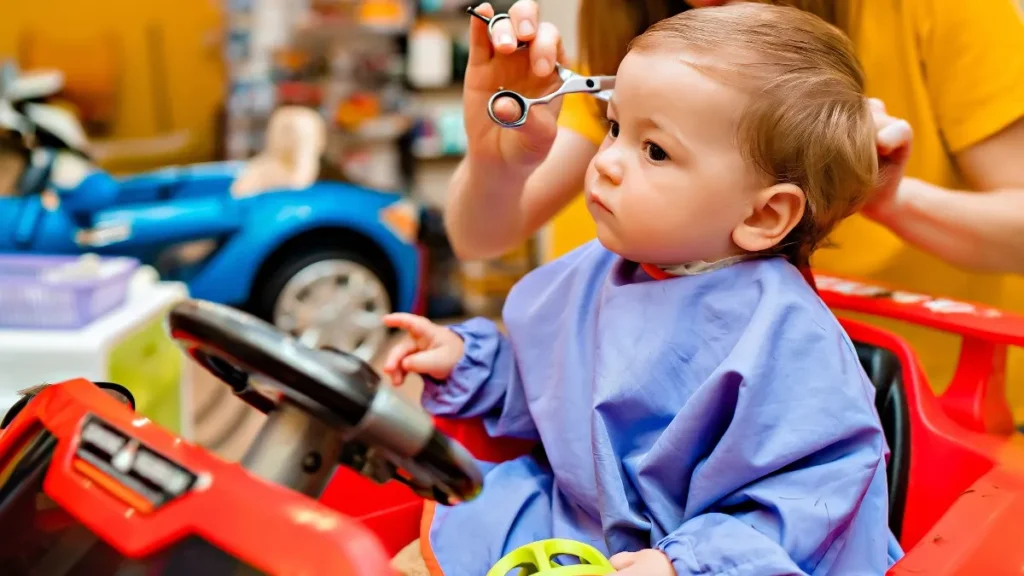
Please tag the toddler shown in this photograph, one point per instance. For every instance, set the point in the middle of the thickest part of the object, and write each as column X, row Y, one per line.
column 700, row 410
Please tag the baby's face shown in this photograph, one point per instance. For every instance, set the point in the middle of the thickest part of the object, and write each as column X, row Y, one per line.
column 669, row 183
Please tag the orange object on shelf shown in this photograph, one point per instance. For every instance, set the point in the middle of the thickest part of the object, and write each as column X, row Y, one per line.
column 356, row 110
column 383, row 12
column 92, row 69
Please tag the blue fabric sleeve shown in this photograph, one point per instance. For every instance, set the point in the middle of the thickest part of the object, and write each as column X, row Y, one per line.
column 484, row 384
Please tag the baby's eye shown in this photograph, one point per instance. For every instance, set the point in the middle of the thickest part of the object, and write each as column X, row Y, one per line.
column 655, row 152
column 613, row 128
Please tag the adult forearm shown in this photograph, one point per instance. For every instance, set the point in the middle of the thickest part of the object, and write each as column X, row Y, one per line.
column 483, row 215
column 977, row 230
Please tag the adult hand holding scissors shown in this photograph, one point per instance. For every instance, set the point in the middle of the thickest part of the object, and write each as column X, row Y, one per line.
column 516, row 53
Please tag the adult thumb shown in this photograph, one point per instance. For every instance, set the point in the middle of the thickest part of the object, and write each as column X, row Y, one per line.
column 536, row 136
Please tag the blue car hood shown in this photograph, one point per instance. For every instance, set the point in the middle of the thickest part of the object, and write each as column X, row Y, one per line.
column 206, row 179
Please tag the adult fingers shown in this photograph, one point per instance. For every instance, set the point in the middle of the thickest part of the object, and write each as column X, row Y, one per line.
column 525, row 15
column 545, row 49
column 894, row 136
column 536, row 135
column 480, row 49
column 503, row 36
column 507, row 109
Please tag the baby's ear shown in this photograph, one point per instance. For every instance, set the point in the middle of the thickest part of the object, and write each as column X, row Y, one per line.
column 773, row 213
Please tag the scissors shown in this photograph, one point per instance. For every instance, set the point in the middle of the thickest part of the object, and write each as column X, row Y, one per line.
column 600, row 86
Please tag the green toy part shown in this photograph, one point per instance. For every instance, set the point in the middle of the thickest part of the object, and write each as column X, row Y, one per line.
column 536, row 559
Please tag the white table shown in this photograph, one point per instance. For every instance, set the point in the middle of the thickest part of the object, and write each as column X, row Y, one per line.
column 128, row 346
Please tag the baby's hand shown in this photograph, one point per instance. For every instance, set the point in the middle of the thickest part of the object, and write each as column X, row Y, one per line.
column 643, row 563
column 429, row 349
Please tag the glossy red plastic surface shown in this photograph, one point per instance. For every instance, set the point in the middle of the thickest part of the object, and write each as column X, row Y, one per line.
column 391, row 510
column 976, row 398
column 965, row 500
column 980, row 534
column 269, row 527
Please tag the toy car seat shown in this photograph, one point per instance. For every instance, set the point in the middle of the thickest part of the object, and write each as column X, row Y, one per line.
column 886, row 373
column 295, row 141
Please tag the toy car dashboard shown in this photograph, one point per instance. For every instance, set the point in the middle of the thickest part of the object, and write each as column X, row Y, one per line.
column 88, row 488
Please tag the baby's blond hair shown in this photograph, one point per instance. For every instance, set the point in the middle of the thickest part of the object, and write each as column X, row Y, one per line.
column 808, row 123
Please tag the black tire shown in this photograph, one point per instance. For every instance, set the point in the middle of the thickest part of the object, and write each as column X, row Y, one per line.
column 268, row 286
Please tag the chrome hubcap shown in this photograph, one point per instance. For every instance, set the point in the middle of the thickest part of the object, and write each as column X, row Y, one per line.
column 335, row 303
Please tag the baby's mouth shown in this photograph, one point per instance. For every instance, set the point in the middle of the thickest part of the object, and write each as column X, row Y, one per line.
column 596, row 200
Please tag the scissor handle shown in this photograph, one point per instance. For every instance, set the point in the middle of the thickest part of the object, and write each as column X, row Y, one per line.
column 524, row 108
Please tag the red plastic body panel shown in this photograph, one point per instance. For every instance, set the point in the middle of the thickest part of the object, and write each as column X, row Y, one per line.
column 980, row 534
column 945, row 457
column 269, row 527
column 392, row 511
column 965, row 500
column 976, row 398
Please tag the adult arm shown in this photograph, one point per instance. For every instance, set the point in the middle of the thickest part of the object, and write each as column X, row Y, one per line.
column 974, row 55
column 490, row 212
column 983, row 229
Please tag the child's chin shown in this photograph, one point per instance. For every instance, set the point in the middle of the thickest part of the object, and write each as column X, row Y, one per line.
column 610, row 241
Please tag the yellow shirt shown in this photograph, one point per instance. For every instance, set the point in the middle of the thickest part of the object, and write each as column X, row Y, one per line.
column 955, row 70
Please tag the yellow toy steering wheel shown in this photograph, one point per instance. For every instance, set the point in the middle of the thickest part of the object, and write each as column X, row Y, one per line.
column 536, row 559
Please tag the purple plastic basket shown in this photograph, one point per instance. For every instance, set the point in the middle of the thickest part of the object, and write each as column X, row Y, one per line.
column 61, row 292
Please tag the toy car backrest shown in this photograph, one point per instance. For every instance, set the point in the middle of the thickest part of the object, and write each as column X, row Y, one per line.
column 886, row 373
column 942, row 443
column 295, row 141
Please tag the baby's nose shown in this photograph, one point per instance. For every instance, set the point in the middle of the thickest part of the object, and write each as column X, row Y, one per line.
column 609, row 165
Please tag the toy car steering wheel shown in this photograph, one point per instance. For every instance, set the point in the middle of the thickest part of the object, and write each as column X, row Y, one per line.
column 536, row 559
column 323, row 407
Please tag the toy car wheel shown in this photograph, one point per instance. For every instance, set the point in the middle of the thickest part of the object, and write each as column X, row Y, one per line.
column 331, row 299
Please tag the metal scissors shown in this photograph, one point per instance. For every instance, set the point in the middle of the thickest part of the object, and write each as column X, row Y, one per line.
column 600, row 86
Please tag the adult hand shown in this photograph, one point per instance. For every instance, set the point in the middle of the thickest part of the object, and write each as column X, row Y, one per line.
column 893, row 140
column 495, row 63
column 428, row 349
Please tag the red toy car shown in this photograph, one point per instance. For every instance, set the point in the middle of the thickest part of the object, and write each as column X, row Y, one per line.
column 88, row 488
column 956, row 472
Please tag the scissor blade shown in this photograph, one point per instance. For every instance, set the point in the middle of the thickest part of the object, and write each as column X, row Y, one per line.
column 585, row 85
column 604, row 83
column 605, row 87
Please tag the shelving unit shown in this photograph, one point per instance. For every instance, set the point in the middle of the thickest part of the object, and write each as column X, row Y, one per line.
column 385, row 74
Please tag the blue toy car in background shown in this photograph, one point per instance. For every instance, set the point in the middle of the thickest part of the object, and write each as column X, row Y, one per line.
column 324, row 262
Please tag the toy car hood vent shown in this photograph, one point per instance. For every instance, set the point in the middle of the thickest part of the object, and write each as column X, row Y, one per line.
column 128, row 469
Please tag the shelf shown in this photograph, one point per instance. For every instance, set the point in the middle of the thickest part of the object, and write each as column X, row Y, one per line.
column 444, row 158
column 381, row 129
